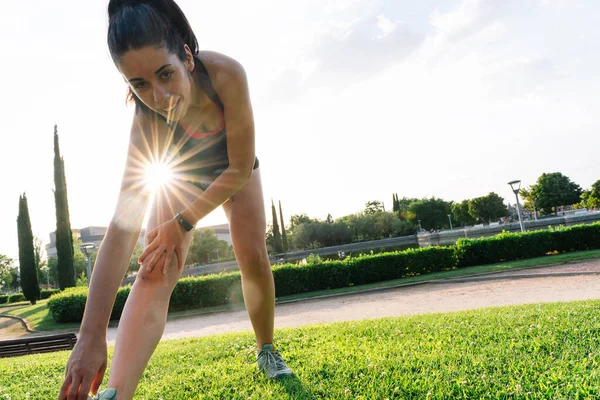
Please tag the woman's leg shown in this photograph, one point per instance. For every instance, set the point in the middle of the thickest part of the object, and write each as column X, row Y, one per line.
column 144, row 317
column 247, row 224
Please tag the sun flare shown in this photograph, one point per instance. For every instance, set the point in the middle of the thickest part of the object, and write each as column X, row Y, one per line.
column 157, row 175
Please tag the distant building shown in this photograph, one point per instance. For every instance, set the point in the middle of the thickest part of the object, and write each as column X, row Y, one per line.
column 222, row 232
column 95, row 234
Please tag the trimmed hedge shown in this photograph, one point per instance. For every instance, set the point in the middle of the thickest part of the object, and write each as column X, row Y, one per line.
column 46, row 293
column 17, row 297
column 225, row 288
column 516, row 246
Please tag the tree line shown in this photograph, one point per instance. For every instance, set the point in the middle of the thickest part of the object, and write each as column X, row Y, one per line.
column 409, row 215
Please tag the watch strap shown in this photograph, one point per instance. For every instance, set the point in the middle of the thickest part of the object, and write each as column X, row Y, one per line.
column 183, row 222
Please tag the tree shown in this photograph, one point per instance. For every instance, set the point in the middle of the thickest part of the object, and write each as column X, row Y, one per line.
column 27, row 267
column 7, row 266
column 433, row 213
column 204, row 246
column 276, row 234
column 591, row 198
column 38, row 251
column 488, row 208
column 395, row 202
column 460, row 213
column 284, row 241
column 64, row 236
column 299, row 219
column 373, row 207
column 553, row 190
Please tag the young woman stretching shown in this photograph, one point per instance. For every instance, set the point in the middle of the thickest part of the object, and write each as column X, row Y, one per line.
column 192, row 113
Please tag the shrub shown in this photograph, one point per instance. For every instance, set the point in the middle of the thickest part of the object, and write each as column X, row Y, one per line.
column 224, row 288
column 17, row 297
column 3, row 299
column 49, row 292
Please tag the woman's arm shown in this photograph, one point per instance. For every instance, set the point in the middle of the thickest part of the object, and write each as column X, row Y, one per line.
column 232, row 86
column 120, row 239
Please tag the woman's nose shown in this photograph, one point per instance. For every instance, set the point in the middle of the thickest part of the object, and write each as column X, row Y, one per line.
column 160, row 96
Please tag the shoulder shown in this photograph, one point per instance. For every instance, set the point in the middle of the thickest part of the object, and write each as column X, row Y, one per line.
column 225, row 72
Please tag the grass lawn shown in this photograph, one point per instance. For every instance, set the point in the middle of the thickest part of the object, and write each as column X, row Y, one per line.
column 533, row 351
column 39, row 317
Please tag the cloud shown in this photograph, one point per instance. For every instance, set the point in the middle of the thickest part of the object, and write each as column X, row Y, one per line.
column 342, row 57
column 523, row 77
column 469, row 19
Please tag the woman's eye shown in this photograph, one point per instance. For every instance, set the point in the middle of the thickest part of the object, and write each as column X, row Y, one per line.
column 167, row 74
column 138, row 86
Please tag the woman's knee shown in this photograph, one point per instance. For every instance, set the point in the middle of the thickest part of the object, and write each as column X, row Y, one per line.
column 254, row 261
column 156, row 276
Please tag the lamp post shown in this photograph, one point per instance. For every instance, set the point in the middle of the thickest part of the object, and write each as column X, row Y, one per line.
column 516, row 191
column 88, row 249
column 420, row 229
column 450, row 219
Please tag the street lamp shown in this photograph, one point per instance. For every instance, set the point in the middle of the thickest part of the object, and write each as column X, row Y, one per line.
column 516, row 191
column 88, row 249
column 450, row 219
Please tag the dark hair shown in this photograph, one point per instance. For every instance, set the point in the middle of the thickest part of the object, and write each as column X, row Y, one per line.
column 134, row 24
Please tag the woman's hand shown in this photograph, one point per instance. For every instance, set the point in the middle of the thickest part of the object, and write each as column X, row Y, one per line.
column 166, row 239
column 85, row 369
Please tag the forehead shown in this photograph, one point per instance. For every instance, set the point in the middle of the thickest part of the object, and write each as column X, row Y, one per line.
column 144, row 62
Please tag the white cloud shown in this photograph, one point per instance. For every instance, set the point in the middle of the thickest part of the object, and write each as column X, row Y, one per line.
column 386, row 25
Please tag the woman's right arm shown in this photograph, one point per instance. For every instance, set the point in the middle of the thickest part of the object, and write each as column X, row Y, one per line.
column 121, row 236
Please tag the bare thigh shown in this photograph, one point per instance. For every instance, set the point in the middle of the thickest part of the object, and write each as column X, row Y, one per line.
column 247, row 224
column 167, row 202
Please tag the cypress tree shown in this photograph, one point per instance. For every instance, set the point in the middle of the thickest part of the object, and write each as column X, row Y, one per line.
column 276, row 235
column 64, row 235
column 27, row 267
column 284, row 241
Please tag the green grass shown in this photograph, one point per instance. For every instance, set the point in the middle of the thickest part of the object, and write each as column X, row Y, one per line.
column 534, row 351
column 40, row 319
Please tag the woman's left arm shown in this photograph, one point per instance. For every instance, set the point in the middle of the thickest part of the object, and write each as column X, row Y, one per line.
column 239, row 122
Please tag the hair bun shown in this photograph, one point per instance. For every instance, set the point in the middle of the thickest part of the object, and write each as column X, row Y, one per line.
column 116, row 5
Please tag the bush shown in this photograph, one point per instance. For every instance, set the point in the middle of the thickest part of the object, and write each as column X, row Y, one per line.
column 68, row 306
column 17, row 297
column 225, row 288
column 515, row 246
column 47, row 293
column 3, row 298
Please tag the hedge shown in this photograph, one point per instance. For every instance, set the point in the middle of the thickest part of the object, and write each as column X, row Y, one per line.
column 15, row 298
column 516, row 246
column 225, row 288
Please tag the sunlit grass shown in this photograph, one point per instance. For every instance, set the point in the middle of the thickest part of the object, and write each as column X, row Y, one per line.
column 533, row 351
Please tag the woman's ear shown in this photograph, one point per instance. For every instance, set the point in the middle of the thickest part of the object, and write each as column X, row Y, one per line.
column 189, row 58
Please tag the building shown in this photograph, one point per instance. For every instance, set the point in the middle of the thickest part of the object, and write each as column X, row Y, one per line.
column 222, row 232
column 95, row 235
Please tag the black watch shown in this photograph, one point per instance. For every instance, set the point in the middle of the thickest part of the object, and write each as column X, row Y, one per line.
column 183, row 222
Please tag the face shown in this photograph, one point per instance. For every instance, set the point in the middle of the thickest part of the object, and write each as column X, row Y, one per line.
column 160, row 79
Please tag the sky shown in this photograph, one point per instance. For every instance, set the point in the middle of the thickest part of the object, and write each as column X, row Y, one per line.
column 353, row 100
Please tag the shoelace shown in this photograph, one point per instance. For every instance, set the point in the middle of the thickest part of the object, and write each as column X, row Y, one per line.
column 272, row 358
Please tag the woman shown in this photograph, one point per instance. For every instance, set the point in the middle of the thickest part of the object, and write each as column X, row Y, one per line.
column 193, row 113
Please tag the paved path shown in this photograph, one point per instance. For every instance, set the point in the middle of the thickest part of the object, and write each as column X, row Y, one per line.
column 445, row 296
